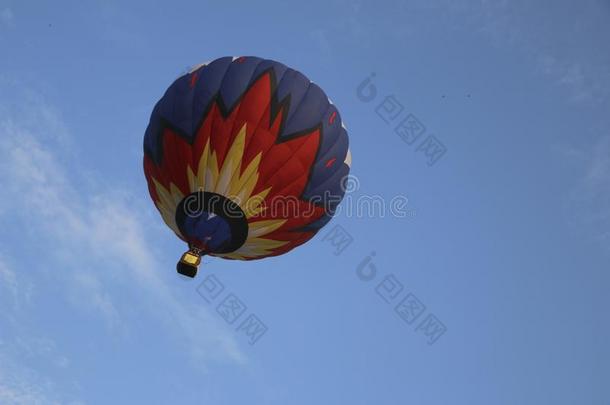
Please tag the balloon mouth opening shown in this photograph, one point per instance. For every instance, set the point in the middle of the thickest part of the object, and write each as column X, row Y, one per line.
column 211, row 222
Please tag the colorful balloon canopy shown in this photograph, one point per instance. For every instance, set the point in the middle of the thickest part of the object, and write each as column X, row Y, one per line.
column 245, row 158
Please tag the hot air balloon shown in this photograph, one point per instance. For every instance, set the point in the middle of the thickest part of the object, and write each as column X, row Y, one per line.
column 244, row 158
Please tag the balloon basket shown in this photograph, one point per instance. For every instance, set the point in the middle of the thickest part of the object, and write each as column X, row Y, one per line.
column 188, row 264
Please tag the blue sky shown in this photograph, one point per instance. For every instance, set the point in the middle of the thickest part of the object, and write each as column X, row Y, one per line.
column 506, row 244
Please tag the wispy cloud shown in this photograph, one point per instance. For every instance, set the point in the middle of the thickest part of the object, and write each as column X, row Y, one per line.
column 23, row 384
column 585, row 81
column 15, row 291
column 8, row 282
column 7, row 18
column 20, row 347
column 105, row 224
column 17, row 390
column 562, row 48
column 589, row 202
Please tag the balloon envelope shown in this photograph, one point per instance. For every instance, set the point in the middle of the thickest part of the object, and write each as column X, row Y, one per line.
column 245, row 158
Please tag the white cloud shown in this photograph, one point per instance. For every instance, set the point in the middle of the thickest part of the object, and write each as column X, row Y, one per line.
column 41, row 348
column 585, row 81
column 8, row 281
column 15, row 292
column 589, row 203
column 7, row 18
column 18, row 392
column 24, row 385
column 561, row 47
column 98, row 235
column 21, row 384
